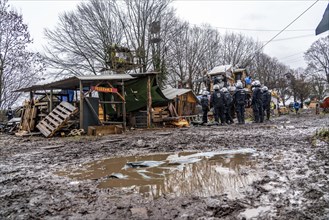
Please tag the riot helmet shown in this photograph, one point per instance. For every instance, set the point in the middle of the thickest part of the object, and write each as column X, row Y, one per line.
column 224, row 89
column 216, row 87
column 239, row 85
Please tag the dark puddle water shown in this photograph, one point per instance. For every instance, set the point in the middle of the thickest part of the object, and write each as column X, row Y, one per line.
column 198, row 174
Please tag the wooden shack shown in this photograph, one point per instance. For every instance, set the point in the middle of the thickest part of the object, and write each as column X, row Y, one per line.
column 117, row 96
column 184, row 100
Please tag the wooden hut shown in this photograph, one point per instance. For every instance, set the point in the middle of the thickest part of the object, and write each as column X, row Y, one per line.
column 184, row 100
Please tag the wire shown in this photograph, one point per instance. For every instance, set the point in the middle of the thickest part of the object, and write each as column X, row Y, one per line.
column 246, row 29
column 295, row 54
column 289, row 38
column 288, row 25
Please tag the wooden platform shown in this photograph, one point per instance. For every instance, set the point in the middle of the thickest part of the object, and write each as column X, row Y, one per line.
column 56, row 119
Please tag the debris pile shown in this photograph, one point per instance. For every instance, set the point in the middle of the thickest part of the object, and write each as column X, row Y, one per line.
column 37, row 118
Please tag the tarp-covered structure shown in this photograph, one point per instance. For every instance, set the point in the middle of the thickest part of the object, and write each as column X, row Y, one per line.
column 124, row 93
column 136, row 94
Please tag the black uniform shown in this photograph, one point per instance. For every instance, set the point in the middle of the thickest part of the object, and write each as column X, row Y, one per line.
column 257, row 104
column 228, row 107
column 218, row 102
column 205, row 108
column 267, row 104
column 239, row 98
column 9, row 114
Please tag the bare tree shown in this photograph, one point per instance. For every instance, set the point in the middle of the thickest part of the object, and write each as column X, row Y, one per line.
column 238, row 50
column 18, row 67
column 79, row 43
column 299, row 84
column 318, row 84
column 282, row 83
column 268, row 70
column 136, row 17
column 194, row 50
column 317, row 56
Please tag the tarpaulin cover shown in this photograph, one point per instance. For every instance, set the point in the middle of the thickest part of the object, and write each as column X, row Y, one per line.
column 136, row 96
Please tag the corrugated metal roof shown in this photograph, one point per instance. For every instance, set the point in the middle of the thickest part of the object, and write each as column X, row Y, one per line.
column 74, row 82
column 171, row 93
column 105, row 77
column 220, row 69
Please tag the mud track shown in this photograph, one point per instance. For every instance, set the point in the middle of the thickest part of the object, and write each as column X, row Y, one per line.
column 293, row 168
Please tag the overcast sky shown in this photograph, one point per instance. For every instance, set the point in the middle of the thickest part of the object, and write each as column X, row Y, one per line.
column 258, row 19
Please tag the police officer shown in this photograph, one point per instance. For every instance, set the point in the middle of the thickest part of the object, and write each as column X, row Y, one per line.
column 256, row 102
column 216, row 80
column 239, row 98
column 218, row 102
column 228, row 105
column 9, row 114
column 266, row 102
column 205, row 107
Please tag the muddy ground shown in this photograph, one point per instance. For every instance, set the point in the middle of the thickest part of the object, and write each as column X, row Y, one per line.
column 292, row 164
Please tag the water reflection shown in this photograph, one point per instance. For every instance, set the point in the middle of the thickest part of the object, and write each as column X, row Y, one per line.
column 204, row 174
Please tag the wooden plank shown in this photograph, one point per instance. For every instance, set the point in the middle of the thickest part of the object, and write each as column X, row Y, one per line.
column 63, row 110
column 55, row 123
column 41, row 104
column 55, row 118
column 104, row 130
column 33, row 118
column 47, row 125
column 68, row 106
column 59, row 114
column 43, row 130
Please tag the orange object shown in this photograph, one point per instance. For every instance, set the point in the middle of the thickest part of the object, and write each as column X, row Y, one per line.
column 325, row 102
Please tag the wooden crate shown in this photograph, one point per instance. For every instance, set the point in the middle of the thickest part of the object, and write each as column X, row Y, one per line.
column 159, row 114
column 56, row 119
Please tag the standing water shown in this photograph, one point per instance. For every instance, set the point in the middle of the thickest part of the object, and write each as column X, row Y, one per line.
column 197, row 174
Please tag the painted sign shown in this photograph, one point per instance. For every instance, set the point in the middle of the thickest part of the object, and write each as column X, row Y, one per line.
column 104, row 89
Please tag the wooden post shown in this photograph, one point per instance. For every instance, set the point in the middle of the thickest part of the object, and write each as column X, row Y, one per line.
column 31, row 98
column 124, row 114
column 149, row 102
column 81, row 105
column 51, row 104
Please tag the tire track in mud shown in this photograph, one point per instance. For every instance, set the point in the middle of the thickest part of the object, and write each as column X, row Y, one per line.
column 294, row 172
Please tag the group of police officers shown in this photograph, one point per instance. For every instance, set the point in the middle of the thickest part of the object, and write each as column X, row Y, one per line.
column 223, row 102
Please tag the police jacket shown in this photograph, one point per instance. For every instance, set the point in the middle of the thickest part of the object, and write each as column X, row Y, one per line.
column 228, row 98
column 204, row 102
column 217, row 99
column 257, row 96
column 266, row 98
column 239, row 97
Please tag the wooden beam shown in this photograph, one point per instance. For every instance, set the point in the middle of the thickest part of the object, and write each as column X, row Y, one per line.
column 81, row 105
column 124, row 114
column 51, row 105
column 149, row 102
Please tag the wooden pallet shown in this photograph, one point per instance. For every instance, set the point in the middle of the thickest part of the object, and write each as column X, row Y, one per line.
column 56, row 119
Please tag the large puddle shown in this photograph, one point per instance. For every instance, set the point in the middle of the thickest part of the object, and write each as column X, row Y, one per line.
column 198, row 174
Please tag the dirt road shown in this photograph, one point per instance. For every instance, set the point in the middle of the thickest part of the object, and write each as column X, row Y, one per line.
column 292, row 169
